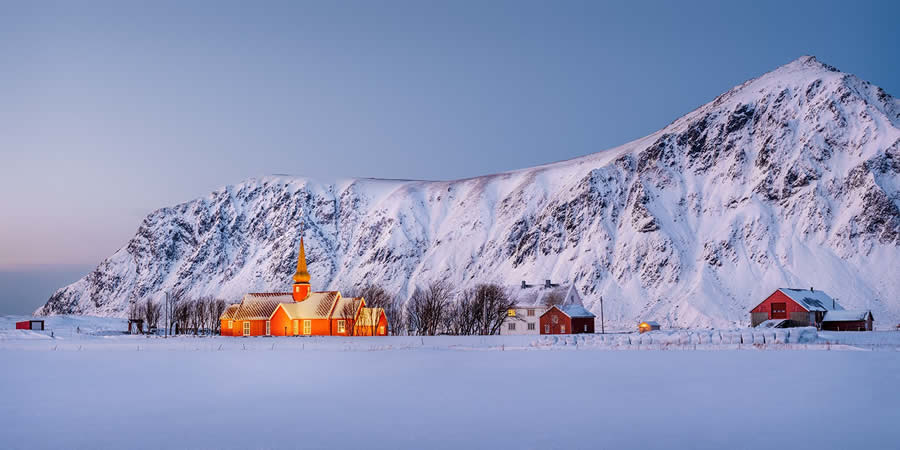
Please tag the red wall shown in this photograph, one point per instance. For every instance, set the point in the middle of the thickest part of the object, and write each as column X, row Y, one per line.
column 547, row 319
column 778, row 297
column 26, row 325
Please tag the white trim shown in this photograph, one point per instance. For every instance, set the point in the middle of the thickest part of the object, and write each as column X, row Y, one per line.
column 307, row 327
column 268, row 328
column 246, row 328
column 230, row 324
column 342, row 326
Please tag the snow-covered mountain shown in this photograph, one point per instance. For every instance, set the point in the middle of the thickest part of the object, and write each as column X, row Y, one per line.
column 790, row 179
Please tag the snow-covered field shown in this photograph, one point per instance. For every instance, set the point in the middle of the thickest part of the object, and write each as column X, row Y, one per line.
column 97, row 389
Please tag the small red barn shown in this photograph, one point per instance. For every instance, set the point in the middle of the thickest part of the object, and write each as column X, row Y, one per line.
column 847, row 321
column 567, row 319
column 30, row 325
column 800, row 308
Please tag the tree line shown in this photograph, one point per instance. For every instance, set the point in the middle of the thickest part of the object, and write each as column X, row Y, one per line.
column 179, row 315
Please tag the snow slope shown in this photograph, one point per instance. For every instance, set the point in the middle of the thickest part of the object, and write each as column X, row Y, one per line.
column 788, row 180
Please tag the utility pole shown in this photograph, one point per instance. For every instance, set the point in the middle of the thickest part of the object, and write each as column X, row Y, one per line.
column 602, row 327
column 167, row 316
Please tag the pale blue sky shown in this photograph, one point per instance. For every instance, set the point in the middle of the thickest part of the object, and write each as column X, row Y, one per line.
column 110, row 110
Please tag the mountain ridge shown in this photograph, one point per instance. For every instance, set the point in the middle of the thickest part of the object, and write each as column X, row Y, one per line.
column 788, row 178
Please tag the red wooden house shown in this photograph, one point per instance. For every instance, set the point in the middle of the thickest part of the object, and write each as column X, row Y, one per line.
column 567, row 319
column 802, row 308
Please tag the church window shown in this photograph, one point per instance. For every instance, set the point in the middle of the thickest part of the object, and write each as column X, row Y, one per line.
column 342, row 326
column 307, row 327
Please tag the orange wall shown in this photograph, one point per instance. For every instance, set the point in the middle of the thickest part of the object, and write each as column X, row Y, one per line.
column 280, row 321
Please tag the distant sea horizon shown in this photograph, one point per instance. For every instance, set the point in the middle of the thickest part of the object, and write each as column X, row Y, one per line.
column 25, row 288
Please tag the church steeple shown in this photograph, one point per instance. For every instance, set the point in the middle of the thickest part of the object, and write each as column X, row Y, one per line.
column 301, row 277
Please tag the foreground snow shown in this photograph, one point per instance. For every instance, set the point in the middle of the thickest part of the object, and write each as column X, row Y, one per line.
column 101, row 390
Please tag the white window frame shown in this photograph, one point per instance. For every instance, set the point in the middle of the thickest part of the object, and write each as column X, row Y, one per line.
column 531, row 313
column 511, row 326
column 342, row 326
column 307, row 327
column 268, row 328
column 246, row 328
column 296, row 326
column 230, row 324
column 531, row 326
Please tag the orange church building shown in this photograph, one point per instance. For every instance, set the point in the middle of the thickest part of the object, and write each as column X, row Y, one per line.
column 302, row 312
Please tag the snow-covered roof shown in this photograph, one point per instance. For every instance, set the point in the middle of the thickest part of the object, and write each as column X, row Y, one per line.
column 316, row 306
column 537, row 295
column 342, row 304
column 228, row 314
column 845, row 316
column 812, row 300
column 254, row 307
column 574, row 311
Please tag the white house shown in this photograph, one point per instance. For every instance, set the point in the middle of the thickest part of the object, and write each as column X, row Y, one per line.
column 531, row 303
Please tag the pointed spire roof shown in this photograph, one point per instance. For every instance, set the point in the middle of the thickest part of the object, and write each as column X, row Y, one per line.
column 302, row 275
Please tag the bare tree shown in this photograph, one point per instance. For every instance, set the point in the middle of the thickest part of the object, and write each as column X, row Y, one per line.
column 480, row 310
column 151, row 312
column 428, row 307
column 214, row 312
column 183, row 315
column 171, row 304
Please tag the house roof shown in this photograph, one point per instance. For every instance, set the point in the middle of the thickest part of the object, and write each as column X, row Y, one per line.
column 228, row 314
column 346, row 302
column 317, row 306
column 573, row 311
column 812, row 300
column 368, row 317
column 536, row 295
column 845, row 316
column 254, row 307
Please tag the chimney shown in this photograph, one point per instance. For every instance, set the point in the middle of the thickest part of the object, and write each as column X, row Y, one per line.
column 546, row 283
column 810, row 289
column 524, row 285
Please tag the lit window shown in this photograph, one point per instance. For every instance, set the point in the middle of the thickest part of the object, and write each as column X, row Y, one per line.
column 246, row 328
column 562, row 329
column 546, row 329
column 512, row 327
column 342, row 326
column 268, row 328
column 531, row 326
column 381, row 329
column 511, row 312
column 530, row 312
column 230, row 324
column 296, row 327
column 307, row 327
column 585, row 327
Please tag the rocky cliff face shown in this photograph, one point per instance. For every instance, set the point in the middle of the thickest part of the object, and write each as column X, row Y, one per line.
column 790, row 179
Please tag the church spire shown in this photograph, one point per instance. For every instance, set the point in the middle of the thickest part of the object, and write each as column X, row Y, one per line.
column 301, row 276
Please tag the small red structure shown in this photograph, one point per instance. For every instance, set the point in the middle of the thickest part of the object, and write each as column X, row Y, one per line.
column 567, row 319
column 30, row 325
